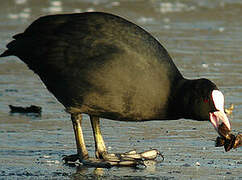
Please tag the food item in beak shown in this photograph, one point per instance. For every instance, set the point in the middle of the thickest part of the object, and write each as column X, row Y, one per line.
column 227, row 139
column 238, row 141
column 229, row 110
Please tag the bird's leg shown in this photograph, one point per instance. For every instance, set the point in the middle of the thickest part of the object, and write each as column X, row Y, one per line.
column 104, row 159
column 99, row 142
column 80, row 144
column 82, row 152
column 131, row 158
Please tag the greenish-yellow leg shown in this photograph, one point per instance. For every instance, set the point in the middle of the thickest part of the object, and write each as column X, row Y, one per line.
column 80, row 144
column 104, row 159
column 130, row 158
column 99, row 142
column 82, row 152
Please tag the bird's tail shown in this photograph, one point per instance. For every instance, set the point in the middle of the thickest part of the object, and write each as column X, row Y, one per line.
column 13, row 47
column 6, row 53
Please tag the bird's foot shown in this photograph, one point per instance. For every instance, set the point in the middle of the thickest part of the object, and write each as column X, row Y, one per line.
column 76, row 160
column 131, row 158
column 71, row 158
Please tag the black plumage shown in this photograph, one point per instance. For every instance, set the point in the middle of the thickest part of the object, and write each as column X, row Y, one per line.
column 105, row 66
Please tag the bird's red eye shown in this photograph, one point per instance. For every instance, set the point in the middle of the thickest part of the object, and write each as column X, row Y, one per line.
column 206, row 100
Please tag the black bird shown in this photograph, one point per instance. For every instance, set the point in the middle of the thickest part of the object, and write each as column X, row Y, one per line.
column 107, row 67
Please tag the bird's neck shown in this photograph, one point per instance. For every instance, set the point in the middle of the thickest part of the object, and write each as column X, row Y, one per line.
column 182, row 99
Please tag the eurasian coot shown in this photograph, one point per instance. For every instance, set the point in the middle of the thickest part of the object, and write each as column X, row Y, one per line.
column 107, row 67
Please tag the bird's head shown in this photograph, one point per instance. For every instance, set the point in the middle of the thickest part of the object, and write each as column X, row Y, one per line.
column 205, row 102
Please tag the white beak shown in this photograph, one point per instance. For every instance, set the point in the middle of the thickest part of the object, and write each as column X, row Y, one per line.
column 215, row 117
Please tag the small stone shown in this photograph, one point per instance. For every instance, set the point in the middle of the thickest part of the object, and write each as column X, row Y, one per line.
column 205, row 65
column 46, row 156
column 221, row 29
column 239, row 162
column 57, row 162
column 211, row 162
column 186, row 165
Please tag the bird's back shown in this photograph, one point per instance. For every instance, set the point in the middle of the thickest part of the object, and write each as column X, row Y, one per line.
column 99, row 64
